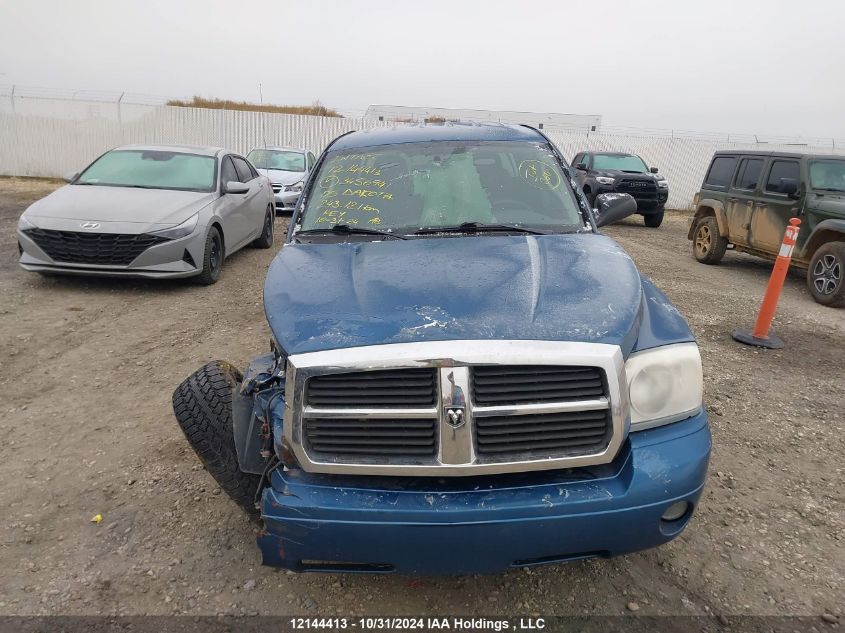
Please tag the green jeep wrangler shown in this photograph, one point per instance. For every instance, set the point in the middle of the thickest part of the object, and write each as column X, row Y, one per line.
column 746, row 201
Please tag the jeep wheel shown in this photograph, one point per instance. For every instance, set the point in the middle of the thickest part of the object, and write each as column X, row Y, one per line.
column 826, row 274
column 707, row 245
column 203, row 408
column 653, row 220
column 212, row 259
column 265, row 240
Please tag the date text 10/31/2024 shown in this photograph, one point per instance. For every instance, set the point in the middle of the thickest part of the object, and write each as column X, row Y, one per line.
column 417, row 624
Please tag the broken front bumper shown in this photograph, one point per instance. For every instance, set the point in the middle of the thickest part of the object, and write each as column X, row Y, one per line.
column 486, row 524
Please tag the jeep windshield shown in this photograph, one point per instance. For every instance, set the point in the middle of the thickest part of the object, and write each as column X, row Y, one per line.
column 476, row 188
column 827, row 175
column 616, row 162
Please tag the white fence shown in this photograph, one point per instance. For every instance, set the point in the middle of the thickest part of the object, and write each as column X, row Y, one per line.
column 53, row 137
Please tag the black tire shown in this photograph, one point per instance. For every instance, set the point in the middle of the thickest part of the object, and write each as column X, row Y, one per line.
column 654, row 220
column 212, row 259
column 708, row 246
column 265, row 240
column 826, row 275
column 203, row 408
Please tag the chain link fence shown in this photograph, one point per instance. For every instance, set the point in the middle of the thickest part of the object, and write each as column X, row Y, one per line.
column 50, row 137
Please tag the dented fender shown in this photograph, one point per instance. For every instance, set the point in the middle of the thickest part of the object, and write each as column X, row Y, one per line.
column 258, row 406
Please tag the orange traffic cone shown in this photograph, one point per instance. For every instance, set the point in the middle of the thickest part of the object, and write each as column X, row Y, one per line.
column 760, row 335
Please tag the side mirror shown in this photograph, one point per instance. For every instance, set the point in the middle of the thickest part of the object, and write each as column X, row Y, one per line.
column 234, row 186
column 581, row 166
column 653, row 170
column 71, row 176
column 612, row 207
column 789, row 186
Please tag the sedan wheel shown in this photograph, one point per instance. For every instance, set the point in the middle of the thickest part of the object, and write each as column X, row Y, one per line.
column 212, row 261
column 265, row 240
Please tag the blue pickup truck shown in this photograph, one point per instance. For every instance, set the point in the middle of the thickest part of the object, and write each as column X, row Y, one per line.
column 465, row 375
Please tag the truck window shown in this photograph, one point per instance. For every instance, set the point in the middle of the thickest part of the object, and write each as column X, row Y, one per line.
column 721, row 171
column 782, row 169
column 748, row 175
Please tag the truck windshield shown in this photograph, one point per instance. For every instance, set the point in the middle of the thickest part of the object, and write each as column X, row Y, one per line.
column 406, row 187
column 619, row 163
column 277, row 159
column 828, row 175
column 151, row 169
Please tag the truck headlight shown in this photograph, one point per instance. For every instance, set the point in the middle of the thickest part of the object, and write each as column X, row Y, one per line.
column 297, row 187
column 663, row 184
column 605, row 180
column 180, row 230
column 665, row 385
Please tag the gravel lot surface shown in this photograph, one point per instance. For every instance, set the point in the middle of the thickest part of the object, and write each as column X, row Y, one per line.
column 87, row 368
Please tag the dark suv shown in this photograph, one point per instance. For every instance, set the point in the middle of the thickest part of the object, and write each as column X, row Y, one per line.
column 746, row 202
column 616, row 172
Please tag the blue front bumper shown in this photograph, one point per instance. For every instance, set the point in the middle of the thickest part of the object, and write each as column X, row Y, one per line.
column 486, row 524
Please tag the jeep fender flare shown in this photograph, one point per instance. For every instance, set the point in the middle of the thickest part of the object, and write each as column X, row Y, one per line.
column 710, row 206
column 832, row 230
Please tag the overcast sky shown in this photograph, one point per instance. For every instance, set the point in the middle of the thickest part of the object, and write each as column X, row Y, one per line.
column 746, row 66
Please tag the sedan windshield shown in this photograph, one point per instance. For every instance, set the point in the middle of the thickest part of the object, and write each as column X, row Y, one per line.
column 603, row 162
column 409, row 187
column 828, row 175
column 277, row 159
column 151, row 169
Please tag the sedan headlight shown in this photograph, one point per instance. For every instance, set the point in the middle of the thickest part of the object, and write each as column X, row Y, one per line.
column 175, row 232
column 665, row 385
column 297, row 187
column 663, row 184
column 605, row 180
column 24, row 224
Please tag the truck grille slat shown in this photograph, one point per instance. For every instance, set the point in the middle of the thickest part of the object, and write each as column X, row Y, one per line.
column 564, row 431
column 530, row 384
column 389, row 388
column 405, row 437
column 114, row 249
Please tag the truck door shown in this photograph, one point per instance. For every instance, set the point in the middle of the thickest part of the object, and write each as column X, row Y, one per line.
column 741, row 198
column 773, row 209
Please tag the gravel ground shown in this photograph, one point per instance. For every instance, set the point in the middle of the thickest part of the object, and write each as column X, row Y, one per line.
column 87, row 367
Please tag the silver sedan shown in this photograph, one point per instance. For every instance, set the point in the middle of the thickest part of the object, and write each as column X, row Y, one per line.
column 150, row 211
column 287, row 168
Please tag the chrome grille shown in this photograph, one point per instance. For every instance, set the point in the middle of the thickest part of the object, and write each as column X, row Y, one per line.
column 527, row 384
column 455, row 407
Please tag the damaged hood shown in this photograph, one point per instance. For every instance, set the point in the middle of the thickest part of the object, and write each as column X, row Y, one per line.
column 576, row 287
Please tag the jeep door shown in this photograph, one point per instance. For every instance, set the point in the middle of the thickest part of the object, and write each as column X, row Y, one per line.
column 773, row 209
column 742, row 197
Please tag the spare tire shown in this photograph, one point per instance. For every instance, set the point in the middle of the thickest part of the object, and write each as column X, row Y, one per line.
column 203, row 408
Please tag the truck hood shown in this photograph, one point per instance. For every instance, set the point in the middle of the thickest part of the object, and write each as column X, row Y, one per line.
column 575, row 287
column 638, row 175
column 282, row 177
column 118, row 209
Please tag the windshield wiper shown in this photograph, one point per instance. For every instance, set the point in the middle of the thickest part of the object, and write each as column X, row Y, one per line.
column 478, row 227
column 345, row 229
column 829, row 189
